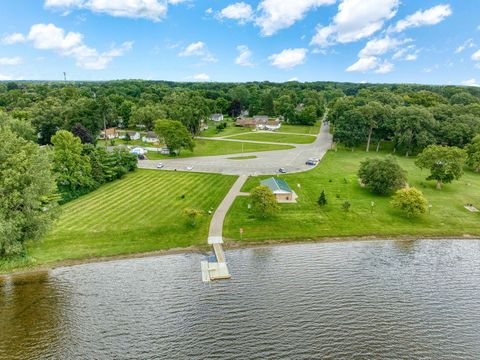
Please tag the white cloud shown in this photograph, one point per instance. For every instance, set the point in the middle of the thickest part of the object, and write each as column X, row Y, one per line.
column 13, row 39
column 276, row 15
column 409, row 53
column 70, row 44
column 364, row 64
column 11, row 60
column 293, row 79
column 427, row 17
column 384, row 67
column 239, row 11
column 355, row 20
column 4, row 77
column 380, row 46
column 244, row 57
column 209, row 11
column 470, row 82
column 288, row 58
column 466, row 45
column 198, row 49
column 201, row 77
column 153, row 10
column 476, row 56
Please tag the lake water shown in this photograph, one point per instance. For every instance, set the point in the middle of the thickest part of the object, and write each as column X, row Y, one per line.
column 375, row 299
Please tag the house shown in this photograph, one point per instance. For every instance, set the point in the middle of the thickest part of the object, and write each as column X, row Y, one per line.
column 248, row 123
column 134, row 135
column 216, row 117
column 283, row 193
column 271, row 125
column 260, row 119
column 150, row 137
column 110, row 133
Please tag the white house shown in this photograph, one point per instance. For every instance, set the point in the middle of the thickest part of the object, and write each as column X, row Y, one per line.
column 150, row 137
column 110, row 133
column 134, row 135
column 216, row 117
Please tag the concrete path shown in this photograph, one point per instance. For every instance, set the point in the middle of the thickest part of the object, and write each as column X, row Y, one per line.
column 216, row 225
column 265, row 163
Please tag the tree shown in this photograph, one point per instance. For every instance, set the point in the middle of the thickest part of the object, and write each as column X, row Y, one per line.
column 346, row 206
column 83, row 133
column 192, row 215
column 175, row 135
column 382, row 176
column 473, row 154
column 411, row 201
column 322, row 200
column 27, row 192
column 147, row 115
column 351, row 128
column 263, row 201
column 444, row 162
column 72, row 168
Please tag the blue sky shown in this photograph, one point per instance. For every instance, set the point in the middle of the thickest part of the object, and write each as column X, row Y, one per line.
column 432, row 42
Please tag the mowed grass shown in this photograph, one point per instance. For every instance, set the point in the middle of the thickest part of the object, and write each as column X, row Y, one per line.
column 220, row 147
column 276, row 137
column 336, row 174
column 301, row 129
column 140, row 213
column 231, row 129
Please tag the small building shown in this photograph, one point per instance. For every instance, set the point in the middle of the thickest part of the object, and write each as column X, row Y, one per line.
column 216, row 117
column 283, row 193
column 271, row 125
column 110, row 133
column 248, row 123
column 133, row 135
column 260, row 119
column 165, row 151
column 150, row 137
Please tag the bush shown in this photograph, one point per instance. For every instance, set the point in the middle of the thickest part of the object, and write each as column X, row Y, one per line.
column 410, row 201
column 346, row 206
column 322, row 200
column 263, row 201
column 382, row 176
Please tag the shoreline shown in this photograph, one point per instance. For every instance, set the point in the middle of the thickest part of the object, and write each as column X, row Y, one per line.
column 228, row 245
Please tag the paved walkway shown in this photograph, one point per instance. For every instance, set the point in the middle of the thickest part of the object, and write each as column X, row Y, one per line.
column 216, row 225
column 265, row 163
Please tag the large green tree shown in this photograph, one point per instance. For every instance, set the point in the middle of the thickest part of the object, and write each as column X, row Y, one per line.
column 27, row 192
column 444, row 162
column 382, row 175
column 410, row 201
column 263, row 201
column 71, row 166
column 175, row 135
column 473, row 154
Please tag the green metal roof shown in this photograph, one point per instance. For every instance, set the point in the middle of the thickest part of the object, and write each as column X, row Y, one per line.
column 276, row 184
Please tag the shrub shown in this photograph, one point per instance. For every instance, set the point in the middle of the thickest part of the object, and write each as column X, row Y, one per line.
column 410, row 201
column 382, row 176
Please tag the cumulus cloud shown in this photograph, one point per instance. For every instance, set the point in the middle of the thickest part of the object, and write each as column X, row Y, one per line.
column 409, row 53
column 276, row 15
column 288, row 58
column 470, row 82
column 70, row 44
column 381, row 46
column 476, row 56
column 364, row 64
column 384, row 68
column 153, row 10
column 13, row 39
column 198, row 49
column 244, row 57
column 239, row 11
column 355, row 20
column 17, row 60
column 201, row 77
column 427, row 17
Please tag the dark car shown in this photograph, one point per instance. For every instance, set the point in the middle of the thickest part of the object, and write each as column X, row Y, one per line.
column 311, row 162
column 282, row 171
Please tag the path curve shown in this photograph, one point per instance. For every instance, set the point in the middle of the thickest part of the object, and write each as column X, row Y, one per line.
column 265, row 163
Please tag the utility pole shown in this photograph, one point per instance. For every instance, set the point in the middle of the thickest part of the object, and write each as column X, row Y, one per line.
column 64, row 76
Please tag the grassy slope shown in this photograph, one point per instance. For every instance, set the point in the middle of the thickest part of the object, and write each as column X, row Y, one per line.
column 276, row 137
column 140, row 213
column 301, row 129
column 219, row 147
column 306, row 219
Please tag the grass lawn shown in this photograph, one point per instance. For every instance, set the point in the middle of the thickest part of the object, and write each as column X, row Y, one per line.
column 219, row 147
column 243, row 157
column 139, row 213
column 336, row 174
column 301, row 129
column 276, row 137
column 231, row 129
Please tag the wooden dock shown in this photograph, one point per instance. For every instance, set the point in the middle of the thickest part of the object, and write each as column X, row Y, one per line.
column 215, row 270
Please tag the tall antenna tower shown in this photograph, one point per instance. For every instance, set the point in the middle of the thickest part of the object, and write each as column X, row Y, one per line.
column 64, row 76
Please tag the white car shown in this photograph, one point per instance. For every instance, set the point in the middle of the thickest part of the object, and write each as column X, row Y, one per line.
column 189, row 168
column 160, row 165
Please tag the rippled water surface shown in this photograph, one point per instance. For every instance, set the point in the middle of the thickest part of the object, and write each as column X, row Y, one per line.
column 379, row 299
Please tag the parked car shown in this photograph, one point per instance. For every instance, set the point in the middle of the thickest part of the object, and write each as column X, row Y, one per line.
column 159, row 165
column 189, row 168
column 311, row 162
column 282, row 171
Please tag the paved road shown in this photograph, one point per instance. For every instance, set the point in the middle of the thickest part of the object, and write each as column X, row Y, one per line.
column 265, row 163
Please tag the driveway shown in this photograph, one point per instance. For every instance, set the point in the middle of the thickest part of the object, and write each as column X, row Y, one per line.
column 265, row 163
